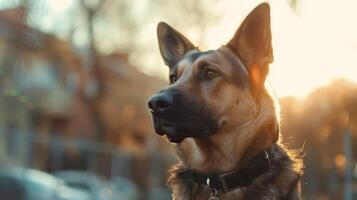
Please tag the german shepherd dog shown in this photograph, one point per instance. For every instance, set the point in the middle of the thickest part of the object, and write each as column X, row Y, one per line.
column 222, row 119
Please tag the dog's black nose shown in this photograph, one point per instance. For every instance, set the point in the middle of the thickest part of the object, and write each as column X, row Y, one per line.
column 160, row 102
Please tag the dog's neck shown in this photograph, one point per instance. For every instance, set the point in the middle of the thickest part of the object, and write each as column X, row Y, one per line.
column 228, row 151
column 231, row 180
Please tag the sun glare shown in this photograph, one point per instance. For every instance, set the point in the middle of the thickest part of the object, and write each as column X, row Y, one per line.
column 311, row 48
column 60, row 5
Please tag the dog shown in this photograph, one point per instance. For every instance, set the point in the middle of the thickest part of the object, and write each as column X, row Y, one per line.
column 222, row 119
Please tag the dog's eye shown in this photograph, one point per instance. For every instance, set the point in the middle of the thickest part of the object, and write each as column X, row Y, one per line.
column 173, row 78
column 210, row 74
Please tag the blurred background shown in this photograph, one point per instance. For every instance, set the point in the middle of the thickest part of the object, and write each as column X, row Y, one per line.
column 75, row 76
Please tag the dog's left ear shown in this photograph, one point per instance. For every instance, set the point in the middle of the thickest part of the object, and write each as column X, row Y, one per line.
column 252, row 43
column 173, row 45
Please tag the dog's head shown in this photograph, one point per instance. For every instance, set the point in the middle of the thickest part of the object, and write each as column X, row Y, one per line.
column 212, row 90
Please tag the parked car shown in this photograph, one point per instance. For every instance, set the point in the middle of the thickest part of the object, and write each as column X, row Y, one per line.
column 97, row 186
column 29, row 184
column 124, row 188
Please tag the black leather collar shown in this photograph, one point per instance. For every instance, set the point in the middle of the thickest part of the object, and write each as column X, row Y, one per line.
column 231, row 180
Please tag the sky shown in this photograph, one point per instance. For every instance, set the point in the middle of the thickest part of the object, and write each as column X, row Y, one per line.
column 311, row 47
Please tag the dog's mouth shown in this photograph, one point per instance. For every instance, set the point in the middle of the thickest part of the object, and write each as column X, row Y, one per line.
column 167, row 129
column 176, row 132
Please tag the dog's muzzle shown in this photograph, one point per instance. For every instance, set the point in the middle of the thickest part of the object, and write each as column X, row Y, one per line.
column 160, row 106
column 177, row 117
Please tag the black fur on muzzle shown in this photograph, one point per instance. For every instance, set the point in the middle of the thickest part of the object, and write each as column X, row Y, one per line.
column 178, row 116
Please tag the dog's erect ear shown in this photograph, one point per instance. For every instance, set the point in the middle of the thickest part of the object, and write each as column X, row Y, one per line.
column 252, row 42
column 173, row 45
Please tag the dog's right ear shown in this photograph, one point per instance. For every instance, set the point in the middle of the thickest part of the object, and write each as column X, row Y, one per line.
column 173, row 45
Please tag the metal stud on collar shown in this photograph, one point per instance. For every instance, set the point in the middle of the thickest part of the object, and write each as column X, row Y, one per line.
column 266, row 156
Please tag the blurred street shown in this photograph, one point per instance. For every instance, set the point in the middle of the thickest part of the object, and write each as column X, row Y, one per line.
column 75, row 77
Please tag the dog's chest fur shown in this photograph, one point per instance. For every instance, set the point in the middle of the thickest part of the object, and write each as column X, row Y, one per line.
column 280, row 182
